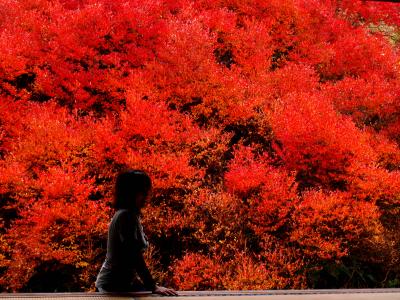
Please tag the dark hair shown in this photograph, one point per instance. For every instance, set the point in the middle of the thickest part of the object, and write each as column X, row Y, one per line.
column 127, row 185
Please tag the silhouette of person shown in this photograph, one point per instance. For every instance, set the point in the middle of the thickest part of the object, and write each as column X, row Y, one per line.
column 126, row 240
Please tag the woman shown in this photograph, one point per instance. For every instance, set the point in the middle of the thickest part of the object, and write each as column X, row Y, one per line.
column 126, row 239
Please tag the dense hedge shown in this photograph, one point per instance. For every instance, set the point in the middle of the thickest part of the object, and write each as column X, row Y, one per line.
column 271, row 130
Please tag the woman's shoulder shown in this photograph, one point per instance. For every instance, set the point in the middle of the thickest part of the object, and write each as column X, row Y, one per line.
column 120, row 211
column 125, row 215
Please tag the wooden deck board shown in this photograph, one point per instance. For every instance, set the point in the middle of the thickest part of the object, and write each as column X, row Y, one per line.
column 338, row 294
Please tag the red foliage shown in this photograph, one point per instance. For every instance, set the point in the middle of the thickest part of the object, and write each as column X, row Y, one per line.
column 328, row 226
column 322, row 156
column 374, row 105
column 274, row 192
column 83, row 57
column 270, row 130
column 64, row 227
column 371, row 11
column 197, row 272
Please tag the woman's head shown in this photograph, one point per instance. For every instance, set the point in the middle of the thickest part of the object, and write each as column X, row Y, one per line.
column 132, row 187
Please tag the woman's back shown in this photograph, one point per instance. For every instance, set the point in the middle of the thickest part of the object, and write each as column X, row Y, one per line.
column 123, row 238
column 125, row 242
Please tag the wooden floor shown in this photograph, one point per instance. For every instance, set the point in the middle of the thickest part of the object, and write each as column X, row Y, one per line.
column 344, row 294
